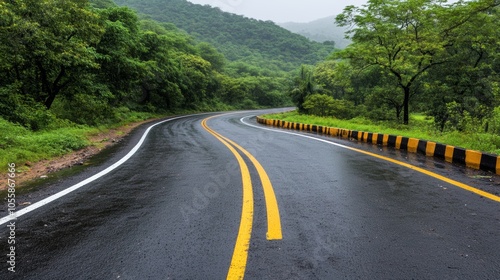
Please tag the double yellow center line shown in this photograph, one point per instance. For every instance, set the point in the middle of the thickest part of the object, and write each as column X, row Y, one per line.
column 240, row 254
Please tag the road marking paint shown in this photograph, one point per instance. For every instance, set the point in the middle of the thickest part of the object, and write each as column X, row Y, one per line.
column 385, row 139
column 274, row 231
column 240, row 253
column 88, row 180
column 407, row 165
column 413, row 145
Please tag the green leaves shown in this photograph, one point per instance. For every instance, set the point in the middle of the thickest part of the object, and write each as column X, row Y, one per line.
column 258, row 43
column 66, row 59
column 406, row 39
column 323, row 105
column 210, row 54
column 50, row 44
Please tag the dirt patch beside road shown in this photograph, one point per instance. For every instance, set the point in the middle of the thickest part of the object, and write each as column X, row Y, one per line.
column 40, row 169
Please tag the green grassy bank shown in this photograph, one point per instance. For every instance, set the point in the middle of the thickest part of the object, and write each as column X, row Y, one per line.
column 420, row 127
column 20, row 145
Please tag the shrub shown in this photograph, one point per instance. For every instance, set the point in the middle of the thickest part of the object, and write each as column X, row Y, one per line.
column 494, row 121
column 85, row 109
column 20, row 109
column 325, row 105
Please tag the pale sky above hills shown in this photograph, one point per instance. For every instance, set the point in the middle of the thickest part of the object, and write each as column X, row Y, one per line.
column 282, row 10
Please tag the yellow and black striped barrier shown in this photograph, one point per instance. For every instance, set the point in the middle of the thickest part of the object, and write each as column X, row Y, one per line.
column 473, row 159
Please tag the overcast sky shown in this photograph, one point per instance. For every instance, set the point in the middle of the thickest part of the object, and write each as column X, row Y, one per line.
column 282, row 10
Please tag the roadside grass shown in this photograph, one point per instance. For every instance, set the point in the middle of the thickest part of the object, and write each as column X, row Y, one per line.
column 420, row 127
column 20, row 145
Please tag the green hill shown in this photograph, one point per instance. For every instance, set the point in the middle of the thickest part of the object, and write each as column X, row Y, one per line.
column 259, row 43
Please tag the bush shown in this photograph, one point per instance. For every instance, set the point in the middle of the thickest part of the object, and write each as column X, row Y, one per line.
column 380, row 114
column 85, row 109
column 35, row 116
column 9, row 134
column 17, row 108
column 494, row 121
column 323, row 105
column 457, row 118
column 248, row 104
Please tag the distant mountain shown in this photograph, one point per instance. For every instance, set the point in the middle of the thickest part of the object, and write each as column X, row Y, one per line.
column 260, row 43
column 320, row 30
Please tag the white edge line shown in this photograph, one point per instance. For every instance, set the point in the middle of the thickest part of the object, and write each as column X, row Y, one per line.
column 407, row 165
column 60, row 194
column 296, row 134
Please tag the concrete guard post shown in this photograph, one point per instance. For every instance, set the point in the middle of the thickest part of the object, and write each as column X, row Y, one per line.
column 472, row 159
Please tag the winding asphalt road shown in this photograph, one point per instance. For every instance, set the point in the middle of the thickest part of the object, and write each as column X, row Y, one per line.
column 182, row 207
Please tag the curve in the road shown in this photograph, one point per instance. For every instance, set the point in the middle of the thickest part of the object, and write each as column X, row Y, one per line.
column 274, row 232
column 240, row 255
column 471, row 158
column 75, row 187
column 407, row 165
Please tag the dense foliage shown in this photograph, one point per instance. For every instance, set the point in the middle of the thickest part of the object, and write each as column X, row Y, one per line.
column 64, row 64
column 92, row 63
column 258, row 43
column 423, row 56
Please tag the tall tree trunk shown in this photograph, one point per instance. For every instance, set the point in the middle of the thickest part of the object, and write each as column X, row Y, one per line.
column 52, row 89
column 146, row 93
column 50, row 100
column 406, row 106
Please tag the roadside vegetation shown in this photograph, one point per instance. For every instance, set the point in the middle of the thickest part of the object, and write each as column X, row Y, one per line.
column 19, row 144
column 418, row 68
column 422, row 127
column 70, row 69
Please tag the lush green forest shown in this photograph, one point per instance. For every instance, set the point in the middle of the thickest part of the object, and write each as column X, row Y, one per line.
column 67, row 66
column 258, row 43
column 413, row 56
column 58, row 56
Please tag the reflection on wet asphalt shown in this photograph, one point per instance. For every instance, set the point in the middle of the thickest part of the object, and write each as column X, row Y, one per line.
column 173, row 211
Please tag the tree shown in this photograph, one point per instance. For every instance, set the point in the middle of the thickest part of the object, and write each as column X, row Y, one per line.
column 334, row 77
column 50, row 46
column 233, row 90
column 160, row 85
column 121, row 68
column 302, row 86
column 238, row 38
column 210, row 54
column 102, row 4
column 325, row 105
column 405, row 39
column 319, row 104
column 469, row 82
column 196, row 76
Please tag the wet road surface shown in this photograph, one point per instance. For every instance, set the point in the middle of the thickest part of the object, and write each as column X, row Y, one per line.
column 174, row 209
